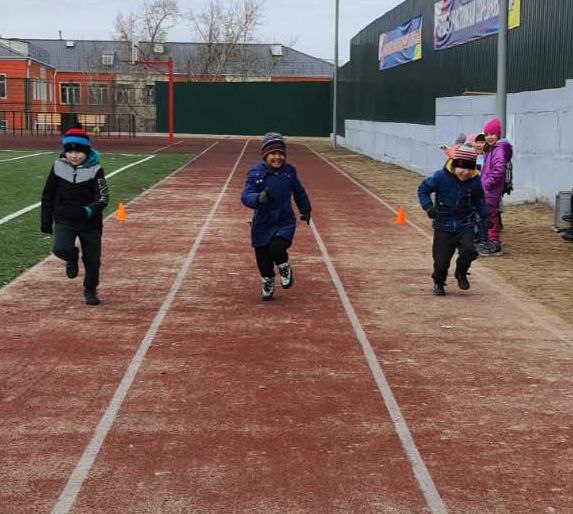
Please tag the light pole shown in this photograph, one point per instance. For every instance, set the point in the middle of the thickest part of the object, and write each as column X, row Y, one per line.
column 501, row 96
column 335, row 81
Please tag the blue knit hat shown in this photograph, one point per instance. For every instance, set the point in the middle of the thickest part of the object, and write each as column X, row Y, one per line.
column 272, row 142
column 77, row 139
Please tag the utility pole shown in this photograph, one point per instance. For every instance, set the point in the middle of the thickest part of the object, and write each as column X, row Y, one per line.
column 501, row 97
column 335, row 81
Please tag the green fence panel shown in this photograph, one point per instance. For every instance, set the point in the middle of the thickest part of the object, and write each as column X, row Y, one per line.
column 249, row 108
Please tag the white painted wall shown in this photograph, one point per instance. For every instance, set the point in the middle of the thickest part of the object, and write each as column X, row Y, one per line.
column 540, row 127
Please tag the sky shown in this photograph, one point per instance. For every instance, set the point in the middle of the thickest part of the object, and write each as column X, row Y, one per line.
column 307, row 25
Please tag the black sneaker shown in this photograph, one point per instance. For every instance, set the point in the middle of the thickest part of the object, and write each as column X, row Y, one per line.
column 439, row 289
column 568, row 236
column 72, row 268
column 91, row 297
column 268, row 288
column 463, row 282
column 287, row 277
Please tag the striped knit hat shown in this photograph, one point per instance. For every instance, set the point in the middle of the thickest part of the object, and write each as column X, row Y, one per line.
column 77, row 139
column 272, row 142
column 464, row 157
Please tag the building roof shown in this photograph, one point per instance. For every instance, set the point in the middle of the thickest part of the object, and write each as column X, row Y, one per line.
column 86, row 56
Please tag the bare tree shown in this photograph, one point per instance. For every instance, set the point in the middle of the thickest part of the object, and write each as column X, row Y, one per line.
column 226, row 31
column 148, row 24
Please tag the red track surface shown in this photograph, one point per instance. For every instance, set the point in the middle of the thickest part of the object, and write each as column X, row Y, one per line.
column 244, row 406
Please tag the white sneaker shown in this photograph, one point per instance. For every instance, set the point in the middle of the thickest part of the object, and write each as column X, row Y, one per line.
column 268, row 288
column 287, row 277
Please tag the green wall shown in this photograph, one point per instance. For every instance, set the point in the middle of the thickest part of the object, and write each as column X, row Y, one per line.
column 248, row 108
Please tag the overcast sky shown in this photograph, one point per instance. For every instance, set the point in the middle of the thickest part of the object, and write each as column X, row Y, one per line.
column 309, row 23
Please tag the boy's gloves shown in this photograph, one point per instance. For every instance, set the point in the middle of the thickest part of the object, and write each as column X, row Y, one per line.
column 305, row 217
column 432, row 212
column 46, row 228
column 264, row 196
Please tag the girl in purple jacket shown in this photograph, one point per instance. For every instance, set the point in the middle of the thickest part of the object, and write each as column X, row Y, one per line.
column 493, row 182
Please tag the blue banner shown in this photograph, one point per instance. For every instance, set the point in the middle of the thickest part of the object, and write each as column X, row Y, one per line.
column 458, row 21
column 401, row 45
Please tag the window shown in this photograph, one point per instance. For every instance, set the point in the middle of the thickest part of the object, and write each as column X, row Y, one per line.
column 41, row 90
column 125, row 94
column 3, row 125
column 148, row 94
column 98, row 94
column 70, row 93
column 2, row 86
column 107, row 59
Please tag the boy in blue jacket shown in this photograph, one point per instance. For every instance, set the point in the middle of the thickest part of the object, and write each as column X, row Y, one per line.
column 73, row 200
column 458, row 198
column 270, row 185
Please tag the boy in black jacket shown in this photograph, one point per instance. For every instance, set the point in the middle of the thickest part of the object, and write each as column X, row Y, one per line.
column 73, row 199
column 458, row 198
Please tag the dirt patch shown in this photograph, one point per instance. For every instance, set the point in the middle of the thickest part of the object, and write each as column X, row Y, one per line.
column 536, row 260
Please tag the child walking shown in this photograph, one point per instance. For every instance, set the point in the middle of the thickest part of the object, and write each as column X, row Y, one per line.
column 458, row 197
column 270, row 185
column 73, row 199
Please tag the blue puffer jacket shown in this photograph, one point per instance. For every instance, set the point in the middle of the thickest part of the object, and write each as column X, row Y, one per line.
column 275, row 218
column 456, row 201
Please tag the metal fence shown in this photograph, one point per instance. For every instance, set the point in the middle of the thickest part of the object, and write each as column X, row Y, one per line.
column 50, row 123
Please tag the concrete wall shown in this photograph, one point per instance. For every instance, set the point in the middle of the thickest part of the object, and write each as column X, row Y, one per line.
column 540, row 127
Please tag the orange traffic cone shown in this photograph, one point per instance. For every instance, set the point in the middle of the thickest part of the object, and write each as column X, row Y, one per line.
column 121, row 214
column 401, row 216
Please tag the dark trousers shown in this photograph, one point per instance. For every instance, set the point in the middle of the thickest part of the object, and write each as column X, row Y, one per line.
column 443, row 250
column 90, row 241
column 274, row 253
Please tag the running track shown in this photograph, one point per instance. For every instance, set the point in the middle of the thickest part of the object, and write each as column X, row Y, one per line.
column 356, row 391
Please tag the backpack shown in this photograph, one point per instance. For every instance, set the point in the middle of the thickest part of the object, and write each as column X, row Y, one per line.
column 508, row 184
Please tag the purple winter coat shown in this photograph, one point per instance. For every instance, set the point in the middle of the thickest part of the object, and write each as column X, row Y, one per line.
column 493, row 170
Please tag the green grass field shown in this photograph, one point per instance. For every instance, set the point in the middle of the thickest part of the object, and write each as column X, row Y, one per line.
column 21, row 241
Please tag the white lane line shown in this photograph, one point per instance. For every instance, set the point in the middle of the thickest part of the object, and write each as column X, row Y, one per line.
column 16, row 214
column 24, row 156
column 167, row 146
column 505, row 290
column 69, row 494
column 429, row 490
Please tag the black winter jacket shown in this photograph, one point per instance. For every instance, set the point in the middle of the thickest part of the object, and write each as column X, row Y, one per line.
column 69, row 190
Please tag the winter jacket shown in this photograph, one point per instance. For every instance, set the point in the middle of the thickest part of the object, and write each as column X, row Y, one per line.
column 457, row 202
column 75, row 196
column 493, row 170
column 276, row 217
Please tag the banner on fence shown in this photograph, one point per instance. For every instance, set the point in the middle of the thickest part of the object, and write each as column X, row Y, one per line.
column 459, row 21
column 401, row 45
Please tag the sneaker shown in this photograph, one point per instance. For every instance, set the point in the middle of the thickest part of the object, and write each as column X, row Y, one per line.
column 463, row 282
column 72, row 268
column 491, row 248
column 439, row 289
column 568, row 236
column 287, row 277
column 91, row 297
column 268, row 288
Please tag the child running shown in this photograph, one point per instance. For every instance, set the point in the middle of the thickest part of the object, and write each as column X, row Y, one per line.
column 270, row 185
column 458, row 196
column 73, row 199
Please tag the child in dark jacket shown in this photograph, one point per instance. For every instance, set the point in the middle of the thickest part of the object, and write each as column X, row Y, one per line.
column 458, row 197
column 270, row 185
column 73, row 199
